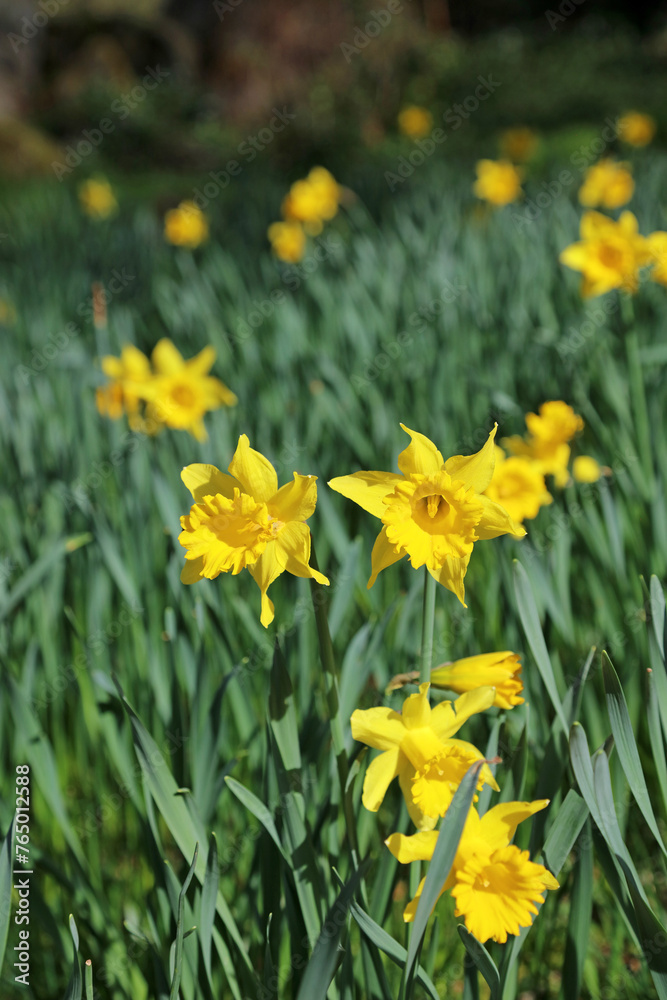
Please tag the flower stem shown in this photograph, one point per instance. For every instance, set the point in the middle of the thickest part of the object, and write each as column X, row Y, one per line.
column 428, row 623
column 638, row 396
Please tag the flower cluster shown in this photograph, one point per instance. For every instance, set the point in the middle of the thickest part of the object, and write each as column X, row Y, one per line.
column 607, row 184
column 309, row 203
column 166, row 391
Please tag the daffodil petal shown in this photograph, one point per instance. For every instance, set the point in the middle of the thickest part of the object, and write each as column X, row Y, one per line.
column 379, row 775
column 202, row 363
column 419, row 818
column 205, row 480
column 420, row 456
column 268, row 567
column 295, row 501
column 498, row 825
column 192, row 571
column 418, row 847
column 367, row 489
column 166, row 358
column 378, row 727
column 451, row 574
column 496, row 521
column 254, row 471
column 448, row 717
column 294, row 541
column 416, row 710
column 475, row 470
column 384, row 554
column 576, row 256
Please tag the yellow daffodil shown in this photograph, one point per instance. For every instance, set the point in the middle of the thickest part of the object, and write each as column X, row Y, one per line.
column 518, row 486
column 313, row 200
column 495, row 885
column 243, row 520
column 432, row 511
column 636, row 129
column 418, row 749
column 501, row 671
column 609, row 255
column 498, row 181
column 415, row 122
column 546, row 444
column 586, row 469
column 181, row 392
column 97, row 198
column 518, row 144
column 657, row 245
column 130, row 374
column 288, row 241
column 186, row 225
column 607, row 184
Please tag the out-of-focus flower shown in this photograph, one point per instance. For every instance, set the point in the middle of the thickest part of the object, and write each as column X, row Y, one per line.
column 313, row 200
column 418, row 749
column 546, row 444
column 97, row 198
column 657, row 246
column 518, row 486
column 609, row 255
column 288, row 241
column 498, row 181
column 130, row 375
column 243, row 520
column 608, row 184
column 636, row 128
column 518, row 144
column 186, row 225
column 433, row 511
column 501, row 671
column 586, row 469
column 181, row 392
column 495, row 885
column 414, row 121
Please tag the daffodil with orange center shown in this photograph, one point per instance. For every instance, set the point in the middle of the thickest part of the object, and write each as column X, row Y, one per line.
column 242, row 520
column 433, row 511
column 518, row 486
column 546, row 444
column 607, row 184
column 496, row 886
column 498, row 182
column 130, row 375
column 609, row 255
column 418, row 749
column 181, row 392
column 502, row 671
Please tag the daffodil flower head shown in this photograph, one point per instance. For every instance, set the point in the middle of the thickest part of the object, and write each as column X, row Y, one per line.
column 312, row 200
column 609, row 255
column 97, row 198
column 636, row 128
column 419, row 750
column 288, row 240
column 518, row 144
column 415, row 121
column 518, row 486
column 495, row 885
column 129, row 374
column 501, row 670
column 186, row 225
column 243, row 521
column 498, row 182
column 433, row 511
column 608, row 184
column 546, row 443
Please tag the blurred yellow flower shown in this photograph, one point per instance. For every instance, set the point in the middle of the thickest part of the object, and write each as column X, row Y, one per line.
column 609, row 254
column 502, row 671
column 518, row 486
column 313, row 200
column 608, row 184
column 495, row 885
column 498, row 181
column 418, row 749
column 97, row 198
column 432, row 511
column 657, row 246
column 186, row 225
column 243, row 520
column 288, row 241
column 546, row 444
column 414, row 121
column 181, row 392
column 518, row 144
column 586, row 469
column 636, row 128
column 129, row 374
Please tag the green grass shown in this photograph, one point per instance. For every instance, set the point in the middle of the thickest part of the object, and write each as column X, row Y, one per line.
column 430, row 312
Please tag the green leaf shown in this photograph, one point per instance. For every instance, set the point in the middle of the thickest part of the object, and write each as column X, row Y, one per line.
column 579, row 920
column 209, row 895
column 566, row 827
column 446, row 847
column 75, row 986
column 260, row 811
column 658, row 613
column 178, row 959
column 626, row 746
column 395, row 951
column 610, row 829
column 651, row 933
column 655, row 735
column 35, row 573
column 6, row 879
column 482, row 960
column 533, row 630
